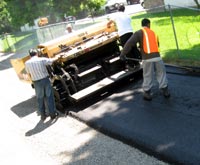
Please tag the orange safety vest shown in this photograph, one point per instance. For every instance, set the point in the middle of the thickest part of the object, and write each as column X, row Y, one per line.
column 150, row 41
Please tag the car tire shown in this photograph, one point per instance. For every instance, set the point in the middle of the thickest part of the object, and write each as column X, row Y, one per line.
column 129, row 2
column 107, row 10
column 142, row 4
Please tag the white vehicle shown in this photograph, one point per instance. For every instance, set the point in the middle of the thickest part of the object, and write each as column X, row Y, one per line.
column 142, row 3
column 130, row 2
column 112, row 5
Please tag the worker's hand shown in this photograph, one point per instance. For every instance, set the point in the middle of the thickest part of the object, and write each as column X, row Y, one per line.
column 109, row 24
column 32, row 85
column 56, row 58
column 60, row 57
column 122, row 58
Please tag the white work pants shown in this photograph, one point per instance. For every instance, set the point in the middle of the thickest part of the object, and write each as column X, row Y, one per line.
column 154, row 68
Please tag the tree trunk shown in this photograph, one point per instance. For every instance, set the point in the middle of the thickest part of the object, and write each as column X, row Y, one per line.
column 197, row 3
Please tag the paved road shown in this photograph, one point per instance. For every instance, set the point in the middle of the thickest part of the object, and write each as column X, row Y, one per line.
column 166, row 128
column 130, row 9
column 26, row 140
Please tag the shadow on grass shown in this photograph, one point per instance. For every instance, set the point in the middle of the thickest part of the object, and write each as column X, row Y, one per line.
column 184, row 57
column 21, row 49
column 166, row 14
column 20, row 42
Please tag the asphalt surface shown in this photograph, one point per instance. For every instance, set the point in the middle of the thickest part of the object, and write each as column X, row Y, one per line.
column 27, row 140
column 165, row 128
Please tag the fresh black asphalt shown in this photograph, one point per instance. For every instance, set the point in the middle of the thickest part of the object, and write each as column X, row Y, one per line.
column 168, row 129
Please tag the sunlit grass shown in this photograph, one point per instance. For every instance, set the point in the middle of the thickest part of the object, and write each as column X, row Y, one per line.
column 186, row 51
column 17, row 42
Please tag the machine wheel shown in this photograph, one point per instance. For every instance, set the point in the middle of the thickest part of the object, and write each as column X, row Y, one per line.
column 142, row 4
column 129, row 2
column 59, row 106
column 107, row 10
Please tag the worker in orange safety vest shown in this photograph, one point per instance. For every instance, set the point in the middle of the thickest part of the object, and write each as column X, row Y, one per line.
column 151, row 60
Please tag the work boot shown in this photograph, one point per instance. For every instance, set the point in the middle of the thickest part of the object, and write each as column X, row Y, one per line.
column 54, row 115
column 166, row 93
column 147, row 95
column 43, row 117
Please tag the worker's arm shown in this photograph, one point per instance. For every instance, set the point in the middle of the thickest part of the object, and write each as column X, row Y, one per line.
column 25, row 76
column 132, row 42
column 52, row 60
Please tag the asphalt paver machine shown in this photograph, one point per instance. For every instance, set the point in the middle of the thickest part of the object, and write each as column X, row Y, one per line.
column 88, row 62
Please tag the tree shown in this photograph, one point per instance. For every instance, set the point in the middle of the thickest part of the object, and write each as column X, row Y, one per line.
column 94, row 6
column 72, row 7
column 4, row 18
column 26, row 11
column 197, row 3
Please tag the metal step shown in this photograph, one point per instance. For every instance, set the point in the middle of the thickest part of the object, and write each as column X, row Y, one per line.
column 101, row 84
column 89, row 71
column 114, row 60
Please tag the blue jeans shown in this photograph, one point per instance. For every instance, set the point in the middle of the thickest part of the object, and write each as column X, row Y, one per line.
column 44, row 90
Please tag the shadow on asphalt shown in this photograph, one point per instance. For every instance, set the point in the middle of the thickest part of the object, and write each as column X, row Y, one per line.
column 25, row 108
column 165, row 128
column 116, row 88
column 5, row 64
column 41, row 126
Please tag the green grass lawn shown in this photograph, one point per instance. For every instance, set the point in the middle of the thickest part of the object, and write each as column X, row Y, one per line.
column 187, row 31
column 10, row 40
column 19, row 42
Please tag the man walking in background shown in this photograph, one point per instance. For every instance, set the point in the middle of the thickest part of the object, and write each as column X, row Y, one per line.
column 36, row 68
column 151, row 60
